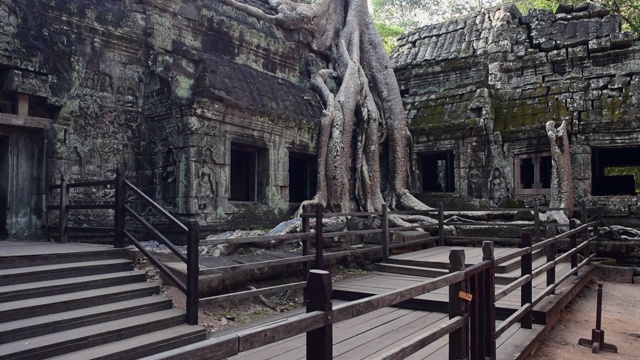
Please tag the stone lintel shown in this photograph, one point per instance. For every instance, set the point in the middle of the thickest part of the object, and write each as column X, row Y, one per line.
column 25, row 121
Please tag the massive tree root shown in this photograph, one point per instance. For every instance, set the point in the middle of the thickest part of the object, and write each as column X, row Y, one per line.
column 366, row 111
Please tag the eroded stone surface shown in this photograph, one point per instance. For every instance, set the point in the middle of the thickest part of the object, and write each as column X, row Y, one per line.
column 163, row 89
column 481, row 89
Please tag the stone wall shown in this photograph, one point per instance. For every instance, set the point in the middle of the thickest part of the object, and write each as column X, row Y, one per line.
column 162, row 89
column 483, row 87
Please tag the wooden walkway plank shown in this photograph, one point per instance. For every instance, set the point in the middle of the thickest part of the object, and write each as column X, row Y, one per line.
column 432, row 349
column 380, row 339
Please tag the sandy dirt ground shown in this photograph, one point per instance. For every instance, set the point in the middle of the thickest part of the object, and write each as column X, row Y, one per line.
column 620, row 322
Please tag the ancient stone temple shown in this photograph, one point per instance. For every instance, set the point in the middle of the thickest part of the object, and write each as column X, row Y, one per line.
column 479, row 90
column 210, row 111
column 206, row 109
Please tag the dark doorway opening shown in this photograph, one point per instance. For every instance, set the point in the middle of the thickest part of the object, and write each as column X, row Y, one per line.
column 249, row 172
column 4, row 185
column 302, row 177
column 615, row 171
column 438, row 172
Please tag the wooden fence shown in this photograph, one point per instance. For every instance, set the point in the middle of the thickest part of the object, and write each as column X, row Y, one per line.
column 459, row 279
column 471, row 326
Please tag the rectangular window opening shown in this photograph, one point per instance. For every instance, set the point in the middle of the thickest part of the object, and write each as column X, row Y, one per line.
column 533, row 173
column 249, row 173
column 616, row 171
column 437, row 172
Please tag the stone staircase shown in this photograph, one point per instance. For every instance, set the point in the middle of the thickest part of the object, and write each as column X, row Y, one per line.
column 85, row 305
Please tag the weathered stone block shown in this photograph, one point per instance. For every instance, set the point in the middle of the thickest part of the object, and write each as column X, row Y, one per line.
column 557, row 55
column 578, row 52
column 599, row 45
column 615, row 273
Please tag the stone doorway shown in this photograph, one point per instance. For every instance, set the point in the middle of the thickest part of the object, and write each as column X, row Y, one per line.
column 22, row 180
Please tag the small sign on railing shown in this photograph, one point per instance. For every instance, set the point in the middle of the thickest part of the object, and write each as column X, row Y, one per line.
column 465, row 296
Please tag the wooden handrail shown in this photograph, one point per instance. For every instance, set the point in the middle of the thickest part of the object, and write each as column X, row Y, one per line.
column 372, row 303
column 179, row 284
column 156, row 234
column 155, row 206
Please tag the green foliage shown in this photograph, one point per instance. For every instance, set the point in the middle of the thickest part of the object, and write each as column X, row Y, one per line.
column 389, row 34
column 394, row 17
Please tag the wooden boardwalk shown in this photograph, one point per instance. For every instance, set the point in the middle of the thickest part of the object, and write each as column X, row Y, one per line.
column 380, row 282
column 372, row 335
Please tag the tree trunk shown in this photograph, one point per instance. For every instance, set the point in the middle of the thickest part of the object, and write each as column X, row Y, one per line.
column 366, row 109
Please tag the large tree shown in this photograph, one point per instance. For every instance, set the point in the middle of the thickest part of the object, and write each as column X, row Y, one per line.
column 363, row 113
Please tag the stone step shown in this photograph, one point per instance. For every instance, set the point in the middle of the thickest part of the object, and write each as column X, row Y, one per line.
column 59, row 257
column 50, row 323
column 140, row 346
column 62, row 286
column 21, row 309
column 61, row 271
column 500, row 279
column 538, row 257
column 410, row 270
column 89, row 336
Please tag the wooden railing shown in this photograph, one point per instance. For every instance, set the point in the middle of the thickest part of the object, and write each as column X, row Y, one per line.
column 525, row 281
column 472, row 324
column 318, row 321
column 122, row 211
column 64, row 207
column 317, row 256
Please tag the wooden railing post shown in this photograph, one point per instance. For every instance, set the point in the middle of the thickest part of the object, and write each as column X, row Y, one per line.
column 489, row 319
column 193, row 271
column 385, row 232
column 119, row 220
column 320, row 341
column 526, row 290
column 573, row 243
column 458, row 339
column 64, row 211
column 440, row 224
column 585, row 219
column 319, row 238
column 536, row 221
column 551, row 256
column 306, row 243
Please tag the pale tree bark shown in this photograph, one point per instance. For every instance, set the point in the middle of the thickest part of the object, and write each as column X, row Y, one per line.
column 365, row 112
column 561, row 172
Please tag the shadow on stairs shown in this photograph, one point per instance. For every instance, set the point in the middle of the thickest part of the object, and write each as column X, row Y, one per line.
column 82, row 301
